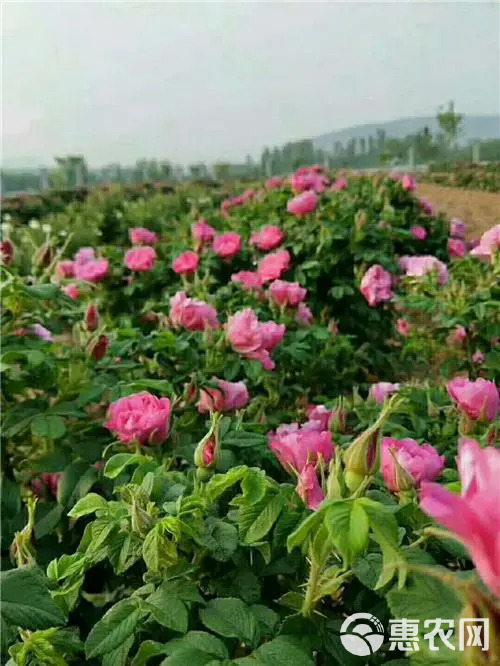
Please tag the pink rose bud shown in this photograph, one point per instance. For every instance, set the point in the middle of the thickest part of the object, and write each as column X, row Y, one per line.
column 403, row 327
column 457, row 336
column 408, row 183
column 303, row 204
column 100, row 348
column 405, row 463
column 142, row 236
column 272, row 266
column 274, row 183
column 304, row 314
column 376, row 285
column 479, row 400
column 141, row 418
column 296, row 446
column 47, row 481
column 141, row 259
column 229, row 396
column 42, row 332
column 65, row 269
column 418, row 232
column 287, row 294
column 203, row 232
column 457, row 227
column 473, row 516
column 227, row 245
column 382, row 390
column 92, row 270
column 478, row 357
column 426, row 206
column 7, row 252
column 457, row 247
column 192, row 314
column 92, row 317
column 308, row 488
column 268, row 238
column 340, row 184
column 321, row 415
column 248, row 280
column 186, row 263
column 72, row 291
column 424, row 265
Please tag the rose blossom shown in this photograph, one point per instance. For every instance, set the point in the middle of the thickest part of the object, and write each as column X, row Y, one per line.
column 340, row 184
column 457, row 227
column 192, row 314
column 142, row 236
column 186, row 263
column 478, row 357
column 229, row 396
column 42, row 332
column 426, row 206
column 457, row 247
column 286, row 294
column 84, row 255
column 308, row 488
column 253, row 339
column 7, row 252
column 418, row 232
column 422, row 265
column 473, row 516
column 272, row 266
column 296, row 446
column 303, row 203
column 405, row 463
column 457, row 336
column 141, row 418
column 403, row 327
column 72, row 291
column 274, row 183
column 304, row 314
column 141, row 259
column 268, row 238
column 65, row 269
column 376, row 285
column 478, row 399
column 248, row 280
column 92, row 317
column 382, row 390
column 93, row 270
column 488, row 244
column 227, row 245
column 203, row 232
column 408, row 183
column 47, row 481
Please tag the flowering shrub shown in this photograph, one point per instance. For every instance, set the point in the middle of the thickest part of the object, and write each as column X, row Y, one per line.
column 217, row 449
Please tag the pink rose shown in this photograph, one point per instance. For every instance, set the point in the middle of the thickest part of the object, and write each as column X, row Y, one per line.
column 72, row 291
column 340, row 184
column 142, row 236
column 272, row 334
column 92, row 317
column 376, row 285
column 229, row 396
column 192, row 314
column 268, row 238
column 478, row 399
column 227, row 245
column 65, row 269
column 478, row 357
column 426, row 206
column 141, row 418
column 253, row 339
column 141, row 259
column 286, row 294
column 474, row 517
column 296, row 446
column 7, row 252
column 274, row 183
column 307, row 179
column 382, row 390
column 248, row 280
column 93, row 270
column 403, row 327
column 304, row 314
column 47, row 481
column 423, row 265
column 272, row 266
column 457, row 336
column 489, row 244
column 84, row 254
column 321, row 415
column 405, row 463
column 186, row 263
column 408, row 183
column 457, row 228
column 418, row 232
column 203, row 232
column 303, row 203
column 457, row 247
column 308, row 488
column 42, row 333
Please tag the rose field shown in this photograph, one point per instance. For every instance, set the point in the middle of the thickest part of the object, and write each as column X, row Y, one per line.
column 234, row 416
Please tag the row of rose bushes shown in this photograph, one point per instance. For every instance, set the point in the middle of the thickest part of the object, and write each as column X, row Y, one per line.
column 466, row 176
column 161, row 387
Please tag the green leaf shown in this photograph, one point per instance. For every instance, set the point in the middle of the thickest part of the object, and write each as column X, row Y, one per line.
column 88, row 504
column 202, row 641
column 117, row 463
column 47, row 523
column 254, row 485
column 147, row 650
column 267, row 619
column 118, row 656
column 113, row 629
column 190, row 656
column 282, row 651
column 26, row 601
column 220, row 539
column 300, row 534
column 347, row 523
column 77, row 479
column 48, row 426
column 231, row 618
column 368, row 568
column 168, row 610
column 158, row 551
column 219, row 483
column 267, row 517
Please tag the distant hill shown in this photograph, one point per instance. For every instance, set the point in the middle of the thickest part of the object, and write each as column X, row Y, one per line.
column 473, row 128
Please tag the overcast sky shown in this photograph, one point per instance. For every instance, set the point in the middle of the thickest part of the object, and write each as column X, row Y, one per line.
column 217, row 80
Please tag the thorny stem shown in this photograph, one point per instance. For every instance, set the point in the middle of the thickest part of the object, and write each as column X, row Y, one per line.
column 308, row 605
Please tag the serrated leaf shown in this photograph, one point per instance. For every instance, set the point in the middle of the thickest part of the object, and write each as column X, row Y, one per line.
column 267, row 517
column 219, row 483
column 168, row 610
column 120, row 461
column 147, row 650
column 113, row 629
column 231, row 618
column 88, row 504
column 347, row 524
column 48, row 426
column 220, row 539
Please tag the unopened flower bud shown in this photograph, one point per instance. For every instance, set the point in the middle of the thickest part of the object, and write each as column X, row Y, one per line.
column 92, row 317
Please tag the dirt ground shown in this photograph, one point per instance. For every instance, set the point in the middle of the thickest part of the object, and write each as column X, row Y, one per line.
column 479, row 210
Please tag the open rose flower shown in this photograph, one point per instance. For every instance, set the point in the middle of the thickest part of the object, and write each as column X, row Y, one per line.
column 488, row 245
column 340, row 184
column 382, row 390
column 84, row 255
column 424, row 265
column 268, row 238
column 141, row 418
column 408, row 182
column 295, row 446
column 186, row 263
column 478, row 399
column 405, row 463
column 93, row 270
column 142, row 236
column 227, row 245
column 305, row 179
column 287, row 294
column 304, row 314
column 249, row 280
column 457, row 336
column 229, row 396
column 418, row 232
column 274, row 183
column 473, row 516
column 376, row 285
column 308, row 487
column 272, row 266
column 403, row 327
column 426, row 206
column 203, row 232
column 457, row 247
column 141, row 259
column 192, row 314
column 303, row 204
column 253, row 339
column 65, row 269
